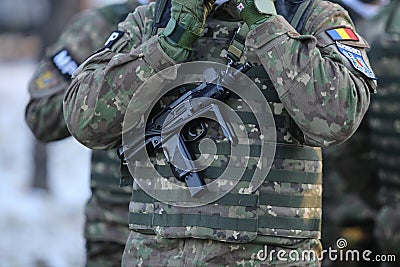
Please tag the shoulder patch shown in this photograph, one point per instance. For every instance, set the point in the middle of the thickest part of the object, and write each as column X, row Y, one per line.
column 65, row 63
column 355, row 56
column 46, row 80
column 115, row 35
column 342, row 34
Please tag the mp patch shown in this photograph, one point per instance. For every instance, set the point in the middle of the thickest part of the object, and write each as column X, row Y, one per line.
column 356, row 59
column 65, row 63
column 115, row 35
column 342, row 34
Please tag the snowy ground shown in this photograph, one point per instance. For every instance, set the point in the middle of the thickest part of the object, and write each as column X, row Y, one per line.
column 37, row 229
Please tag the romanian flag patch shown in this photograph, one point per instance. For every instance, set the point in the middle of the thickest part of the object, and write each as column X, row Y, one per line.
column 342, row 34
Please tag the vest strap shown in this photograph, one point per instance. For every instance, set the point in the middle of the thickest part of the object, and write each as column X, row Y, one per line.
column 301, row 10
column 237, row 45
column 218, row 222
column 212, row 172
column 294, row 223
column 281, row 152
column 231, row 199
column 161, row 16
column 199, row 220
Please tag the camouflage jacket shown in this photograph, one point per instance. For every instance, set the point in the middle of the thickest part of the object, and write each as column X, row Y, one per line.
column 106, row 213
column 323, row 93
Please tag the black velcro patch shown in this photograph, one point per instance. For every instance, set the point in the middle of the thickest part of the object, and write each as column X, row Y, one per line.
column 115, row 35
column 65, row 63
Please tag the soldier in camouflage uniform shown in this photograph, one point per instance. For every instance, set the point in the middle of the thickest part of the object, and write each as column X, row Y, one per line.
column 318, row 97
column 106, row 226
column 385, row 130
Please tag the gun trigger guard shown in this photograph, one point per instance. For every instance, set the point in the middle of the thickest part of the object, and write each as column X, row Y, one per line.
column 197, row 137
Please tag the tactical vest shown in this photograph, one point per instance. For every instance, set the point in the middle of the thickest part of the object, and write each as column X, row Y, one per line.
column 287, row 204
column 385, row 108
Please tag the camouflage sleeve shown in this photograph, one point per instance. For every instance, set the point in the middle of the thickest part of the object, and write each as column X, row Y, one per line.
column 85, row 33
column 325, row 95
column 102, row 87
column 44, row 117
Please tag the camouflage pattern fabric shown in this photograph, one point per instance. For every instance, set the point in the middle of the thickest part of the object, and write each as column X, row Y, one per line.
column 150, row 250
column 349, row 182
column 106, row 227
column 385, row 131
column 98, row 124
column 322, row 96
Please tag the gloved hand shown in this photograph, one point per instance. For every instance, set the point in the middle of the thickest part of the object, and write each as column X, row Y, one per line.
column 254, row 12
column 185, row 26
column 191, row 14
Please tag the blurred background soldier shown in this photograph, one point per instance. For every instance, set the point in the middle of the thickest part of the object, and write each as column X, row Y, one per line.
column 106, row 227
column 350, row 171
column 385, row 127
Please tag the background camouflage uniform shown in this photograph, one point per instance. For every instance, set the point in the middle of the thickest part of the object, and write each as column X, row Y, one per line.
column 106, row 227
column 351, row 183
column 99, row 95
column 385, row 127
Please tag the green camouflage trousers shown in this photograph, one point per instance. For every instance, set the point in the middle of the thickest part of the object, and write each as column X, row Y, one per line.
column 152, row 250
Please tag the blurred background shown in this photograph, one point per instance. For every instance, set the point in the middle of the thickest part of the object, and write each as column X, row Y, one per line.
column 43, row 189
